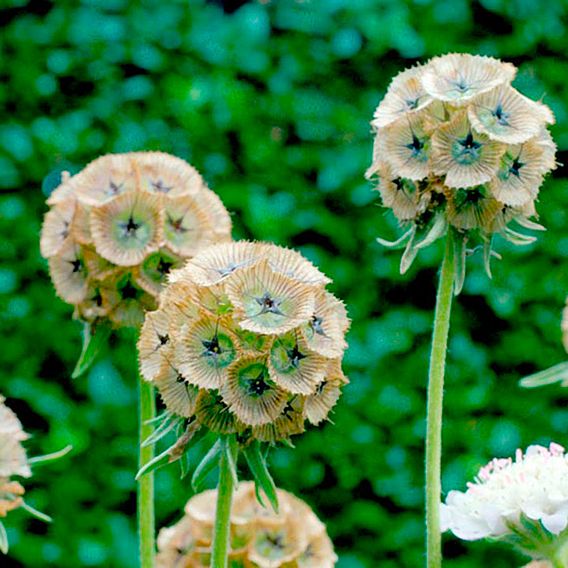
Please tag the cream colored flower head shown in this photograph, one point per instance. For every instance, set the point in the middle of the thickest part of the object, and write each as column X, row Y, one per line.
column 115, row 230
column 522, row 500
column 13, row 459
column 457, row 146
column 260, row 537
column 247, row 340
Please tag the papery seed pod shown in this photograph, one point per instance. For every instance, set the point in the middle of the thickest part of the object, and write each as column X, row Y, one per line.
column 13, row 462
column 259, row 537
column 116, row 229
column 252, row 329
column 456, row 147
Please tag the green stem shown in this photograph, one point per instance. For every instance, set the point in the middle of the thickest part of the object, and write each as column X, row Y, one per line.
column 221, row 536
column 560, row 557
column 435, row 405
column 146, row 529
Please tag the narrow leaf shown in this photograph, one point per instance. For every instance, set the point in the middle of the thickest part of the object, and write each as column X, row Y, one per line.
column 518, row 238
column 459, row 242
column 408, row 255
column 488, row 254
column 193, row 434
column 155, row 463
column 231, row 449
column 184, row 465
column 93, row 340
column 50, row 457
column 159, row 418
column 437, row 230
column 3, row 540
column 262, row 478
column 400, row 242
column 206, row 466
column 162, row 430
column 528, row 224
column 37, row 514
column 556, row 374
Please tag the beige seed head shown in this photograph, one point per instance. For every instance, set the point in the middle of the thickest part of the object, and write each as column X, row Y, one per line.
column 13, row 459
column 457, row 147
column 252, row 328
column 127, row 218
column 259, row 536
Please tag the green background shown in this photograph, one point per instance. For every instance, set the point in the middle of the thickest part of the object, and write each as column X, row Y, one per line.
column 271, row 101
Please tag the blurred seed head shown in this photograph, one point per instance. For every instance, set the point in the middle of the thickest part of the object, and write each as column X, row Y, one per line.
column 457, row 146
column 13, row 459
column 259, row 536
column 116, row 229
column 247, row 340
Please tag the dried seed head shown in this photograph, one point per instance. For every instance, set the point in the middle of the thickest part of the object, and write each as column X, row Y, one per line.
column 252, row 327
column 127, row 217
column 13, row 459
column 259, row 537
column 455, row 146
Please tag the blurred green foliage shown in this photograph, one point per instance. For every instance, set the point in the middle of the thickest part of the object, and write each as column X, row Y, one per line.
column 271, row 101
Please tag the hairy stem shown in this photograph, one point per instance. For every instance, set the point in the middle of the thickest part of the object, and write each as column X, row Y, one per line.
column 221, row 536
column 146, row 530
column 435, row 406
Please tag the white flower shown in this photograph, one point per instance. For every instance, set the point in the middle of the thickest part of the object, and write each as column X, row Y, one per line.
column 507, row 494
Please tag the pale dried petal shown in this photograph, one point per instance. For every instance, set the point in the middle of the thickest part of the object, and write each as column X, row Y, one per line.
column 216, row 263
column 105, row 178
column 177, row 394
column 155, row 344
column 458, row 77
column 214, row 414
column 520, row 174
column 399, row 194
column 408, row 148
column 289, row 423
column 272, row 547
column 406, row 94
column 505, row 115
column 319, row 404
column 204, row 351
column 293, row 366
column 251, row 394
column 292, row 264
column 269, row 302
column 187, row 225
column 56, row 227
column 325, row 332
column 68, row 273
column 465, row 157
column 472, row 208
column 166, row 174
column 127, row 228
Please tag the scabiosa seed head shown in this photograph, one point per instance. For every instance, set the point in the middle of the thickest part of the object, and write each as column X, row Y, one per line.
column 458, row 148
column 247, row 340
column 259, row 537
column 523, row 501
column 116, row 229
column 13, row 459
